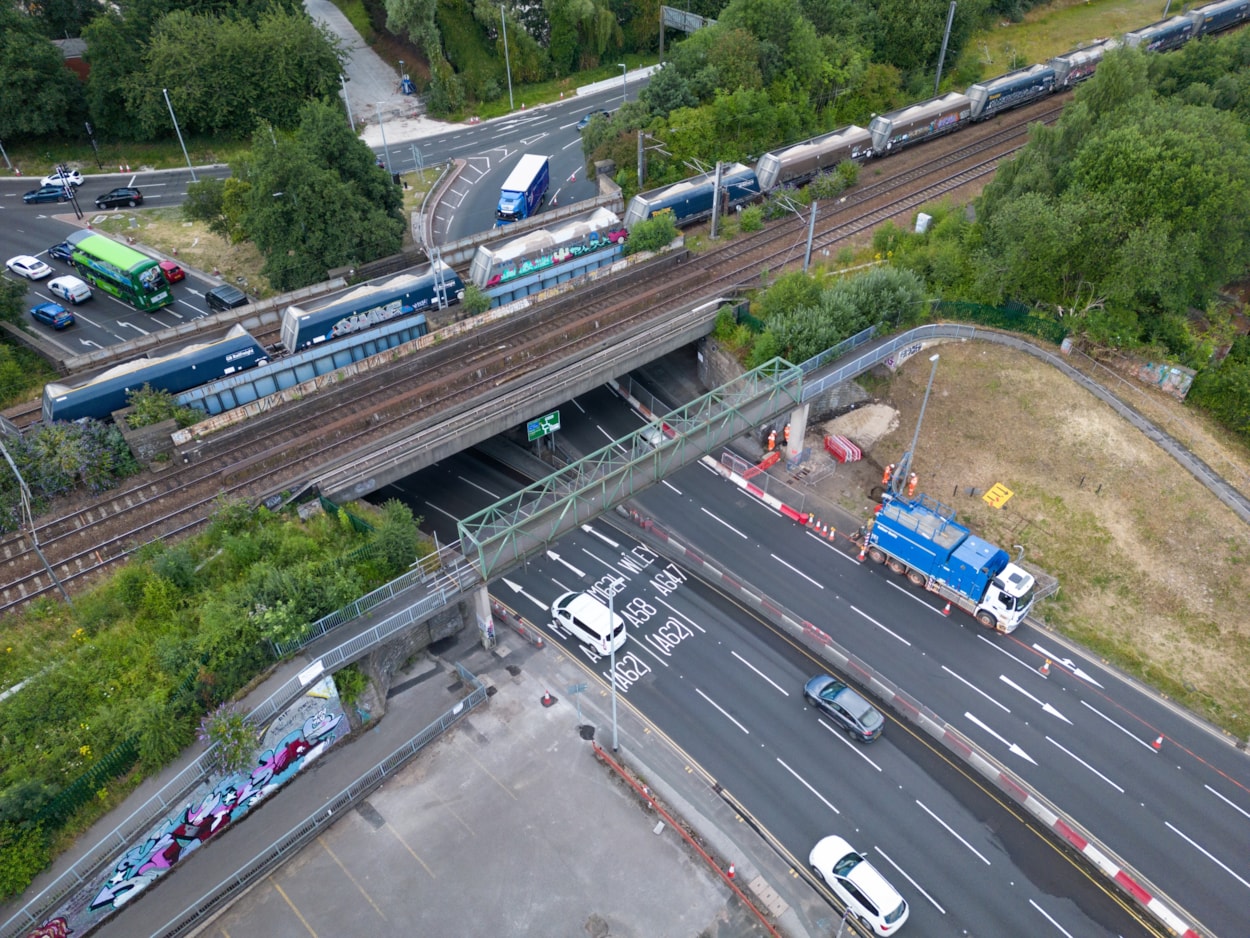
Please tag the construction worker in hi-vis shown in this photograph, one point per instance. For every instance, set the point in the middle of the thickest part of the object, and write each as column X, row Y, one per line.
column 889, row 471
column 911, row 485
column 772, row 440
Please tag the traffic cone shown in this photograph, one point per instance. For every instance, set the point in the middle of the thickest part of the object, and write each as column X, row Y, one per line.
column 862, row 552
column 1045, row 669
column 730, row 872
column 547, row 700
column 832, row 532
column 947, row 610
column 1157, row 744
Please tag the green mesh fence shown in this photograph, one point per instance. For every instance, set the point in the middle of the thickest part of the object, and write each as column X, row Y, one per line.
column 1014, row 317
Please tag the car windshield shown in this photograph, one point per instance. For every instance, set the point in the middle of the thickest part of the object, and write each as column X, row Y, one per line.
column 847, row 863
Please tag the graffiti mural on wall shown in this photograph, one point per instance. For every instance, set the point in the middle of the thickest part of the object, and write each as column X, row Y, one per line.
column 289, row 744
column 902, row 355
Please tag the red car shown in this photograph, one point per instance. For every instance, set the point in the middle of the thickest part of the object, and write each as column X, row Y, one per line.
column 173, row 273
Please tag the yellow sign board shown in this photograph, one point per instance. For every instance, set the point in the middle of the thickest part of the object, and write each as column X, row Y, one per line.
column 997, row 496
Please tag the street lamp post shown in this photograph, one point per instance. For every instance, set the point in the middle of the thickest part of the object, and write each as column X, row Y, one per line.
column 348, row 101
column 896, row 482
column 612, row 652
column 507, row 58
column 385, row 148
column 624, row 89
column 165, row 91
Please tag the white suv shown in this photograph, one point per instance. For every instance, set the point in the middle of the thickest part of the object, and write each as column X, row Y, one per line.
column 860, row 887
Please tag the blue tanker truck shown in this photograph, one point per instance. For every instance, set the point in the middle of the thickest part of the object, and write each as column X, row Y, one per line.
column 522, row 192
column 919, row 537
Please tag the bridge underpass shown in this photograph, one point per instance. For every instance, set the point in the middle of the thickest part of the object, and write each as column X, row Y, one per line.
column 500, row 409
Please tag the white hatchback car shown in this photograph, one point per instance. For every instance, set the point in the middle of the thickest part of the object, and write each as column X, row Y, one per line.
column 73, row 178
column 860, row 887
column 32, row 268
column 70, row 288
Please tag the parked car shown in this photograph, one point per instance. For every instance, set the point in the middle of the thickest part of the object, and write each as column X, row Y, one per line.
column 70, row 288
column 45, row 194
column 849, row 710
column 863, row 890
column 591, row 115
column 32, row 268
column 52, row 314
column 116, row 198
column 61, row 252
column 72, row 178
column 173, row 273
column 225, row 297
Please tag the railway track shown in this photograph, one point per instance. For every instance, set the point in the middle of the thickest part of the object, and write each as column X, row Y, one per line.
column 268, row 454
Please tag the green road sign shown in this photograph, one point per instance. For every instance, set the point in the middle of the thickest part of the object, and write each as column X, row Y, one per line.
column 549, row 423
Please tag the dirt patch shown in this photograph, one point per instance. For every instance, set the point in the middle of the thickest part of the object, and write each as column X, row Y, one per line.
column 865, row 425
column 1152, row 567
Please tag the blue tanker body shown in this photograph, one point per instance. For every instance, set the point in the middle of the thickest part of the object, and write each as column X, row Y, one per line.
column 1014, row 89
column 1223, row 14
column 691, row 200
column 370, row 305
column 1163, row 35
column 194, row 365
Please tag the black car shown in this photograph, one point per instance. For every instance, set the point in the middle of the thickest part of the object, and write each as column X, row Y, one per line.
column 853, row 713
column 46, row 194
column 585, row 121
column 116, row 198
column 225, row 297
column 61, row 252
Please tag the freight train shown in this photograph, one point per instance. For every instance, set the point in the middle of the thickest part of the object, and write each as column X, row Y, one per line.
column 690, row 200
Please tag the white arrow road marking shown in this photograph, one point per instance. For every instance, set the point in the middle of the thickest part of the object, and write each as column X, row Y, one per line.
column 1000, row 706
column 951, row 831
column 1012, row 746
column 1077, row 758
column 558, row 559
column 89, row 343
column 607, row 540
column 1131, row 735
column 131, row 325
column 1067, row 663
column 516, row 588
column 530, row 141
column 1045, row 706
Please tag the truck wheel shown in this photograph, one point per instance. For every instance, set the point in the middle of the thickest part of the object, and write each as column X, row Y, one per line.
column 897, row 567
column 987, row 619
column 876, row 555
column 916, row 577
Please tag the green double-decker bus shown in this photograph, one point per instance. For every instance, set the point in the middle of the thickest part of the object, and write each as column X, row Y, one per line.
column 120, row 270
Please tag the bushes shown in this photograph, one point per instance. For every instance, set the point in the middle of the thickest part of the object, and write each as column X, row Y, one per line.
column 654, row 234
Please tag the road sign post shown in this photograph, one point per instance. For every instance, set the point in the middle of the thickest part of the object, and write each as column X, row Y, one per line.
column 548, row 423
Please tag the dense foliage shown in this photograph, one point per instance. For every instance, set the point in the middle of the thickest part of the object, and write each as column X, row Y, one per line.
column 311, row 200
column 58, row 458
column 141, row 658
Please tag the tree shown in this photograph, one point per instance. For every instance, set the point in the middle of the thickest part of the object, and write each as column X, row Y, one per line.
column 667, row 91
column 416, row 18
column 39, row 96
column 227, row 734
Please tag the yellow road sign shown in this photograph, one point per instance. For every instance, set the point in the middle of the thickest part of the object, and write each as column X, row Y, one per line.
column 997, row 496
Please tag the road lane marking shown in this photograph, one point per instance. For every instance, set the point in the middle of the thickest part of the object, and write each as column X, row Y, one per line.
column 287, row 899
column 1127, row 732
column 441, row 512
column 348, row 873
column 950, row 830
column 1046, row 707
column 1073, row 755
column 799, row 572
column 671, row 486
column 915, row 885
column 825, row 543
column 1000, row 706
column 725, row 523
column 598, row 559
column 1046, row 915
column 761, row 673
column 802, row 781
column 1225, row 800
column 883, row 628
column 722, row 711
column 479, row 488
column 1210, row 856
column 856, row 748
column 1006, row 742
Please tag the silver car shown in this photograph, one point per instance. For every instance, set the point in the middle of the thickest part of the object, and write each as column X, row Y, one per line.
column 848, row 709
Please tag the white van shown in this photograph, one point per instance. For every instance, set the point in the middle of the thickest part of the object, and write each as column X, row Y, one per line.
column 587, row 620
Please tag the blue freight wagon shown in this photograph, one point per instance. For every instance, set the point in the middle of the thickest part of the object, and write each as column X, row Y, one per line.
column 502, row 261
column 999, row 94
column 691, row 200
column 1162, row 36
column 1223, row 14
column 522, row 193
column 369, row 305
column 179, row 371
